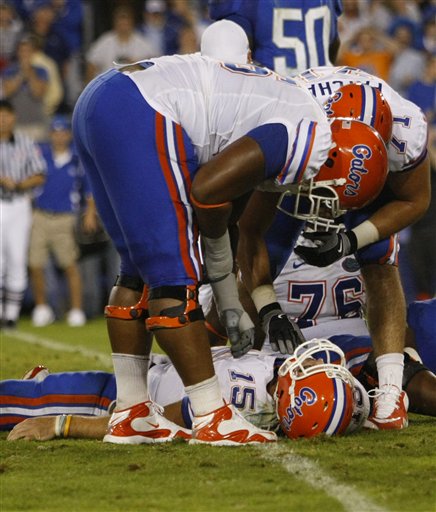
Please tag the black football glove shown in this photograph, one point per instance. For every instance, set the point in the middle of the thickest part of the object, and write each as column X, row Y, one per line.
column 330, row 247
column 284, row 334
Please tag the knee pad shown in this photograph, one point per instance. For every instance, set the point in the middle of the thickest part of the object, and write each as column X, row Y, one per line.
column 136, row 312
column 177, row 316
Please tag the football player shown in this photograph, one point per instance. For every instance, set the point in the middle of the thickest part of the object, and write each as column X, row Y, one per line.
column 248, row 383
column 260, row 385
column 214, row 131
column 286, row 36
column 370, row 230
column 409, row 193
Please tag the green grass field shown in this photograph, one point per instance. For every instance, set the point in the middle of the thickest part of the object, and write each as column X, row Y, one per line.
column 369, row 471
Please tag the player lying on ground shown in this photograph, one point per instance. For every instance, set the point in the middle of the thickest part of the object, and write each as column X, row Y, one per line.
column 248, row 384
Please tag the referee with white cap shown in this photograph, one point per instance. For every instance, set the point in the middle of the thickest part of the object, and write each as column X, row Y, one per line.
column 21, row 169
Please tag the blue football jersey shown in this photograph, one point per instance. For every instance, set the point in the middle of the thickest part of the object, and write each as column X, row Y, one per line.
column 287, row 36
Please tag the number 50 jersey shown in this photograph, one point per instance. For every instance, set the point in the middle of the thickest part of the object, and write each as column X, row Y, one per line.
column 287, row 36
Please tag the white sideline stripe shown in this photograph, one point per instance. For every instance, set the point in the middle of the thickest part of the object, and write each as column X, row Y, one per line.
column 310, row 473
column 61, row 347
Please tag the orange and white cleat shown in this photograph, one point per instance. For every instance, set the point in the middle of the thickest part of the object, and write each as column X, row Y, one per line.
column 389, row 410
column 226, row 427
column 143, row 423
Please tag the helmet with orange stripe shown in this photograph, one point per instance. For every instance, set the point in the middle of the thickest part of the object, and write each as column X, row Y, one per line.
column 315, row 391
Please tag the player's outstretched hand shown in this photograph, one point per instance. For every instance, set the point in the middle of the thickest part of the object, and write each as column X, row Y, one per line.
column 329, row 247
column 284, row 334
column 240, row 330
column 34, row 429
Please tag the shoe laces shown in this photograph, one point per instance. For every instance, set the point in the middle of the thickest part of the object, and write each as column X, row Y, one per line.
column 156, row 408
column 387, row 399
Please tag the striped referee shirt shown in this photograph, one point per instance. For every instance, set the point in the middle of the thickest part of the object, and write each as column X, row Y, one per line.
column 20, row 158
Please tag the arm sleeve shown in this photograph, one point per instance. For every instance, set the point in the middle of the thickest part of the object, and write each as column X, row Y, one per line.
column 293, row 152
column 273, row 140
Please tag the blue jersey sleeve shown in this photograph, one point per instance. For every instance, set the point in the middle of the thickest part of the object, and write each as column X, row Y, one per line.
column 273, row 140
column 86, row 393
column 238, row 11
column 421, row 318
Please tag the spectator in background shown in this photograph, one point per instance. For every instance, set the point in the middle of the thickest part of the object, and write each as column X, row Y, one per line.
column 54, row 219
column 55, row 89
column 422, row 91
column 21, row 169
column 26, row 85
column 370, row 50
column 408, row 62
column 10, row 32
column 69, row 23
column 161, row 27
column 429, row 35
column 354, row 18
column 51, row 42
column 121, row 45
column 383, row 13
column 188, row 40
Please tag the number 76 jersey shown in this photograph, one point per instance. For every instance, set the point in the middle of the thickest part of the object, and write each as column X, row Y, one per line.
column 324, row 301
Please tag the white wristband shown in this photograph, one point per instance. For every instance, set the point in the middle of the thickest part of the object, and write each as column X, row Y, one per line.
column 60, row 424
column 263, row 295
column 366, row 233
column 218, row 256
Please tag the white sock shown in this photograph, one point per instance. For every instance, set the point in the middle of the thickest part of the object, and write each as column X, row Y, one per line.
column 205, row 396
column 390, row 369
column 131, row 377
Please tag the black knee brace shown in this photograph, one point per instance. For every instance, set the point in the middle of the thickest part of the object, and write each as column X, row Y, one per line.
column 177, row 316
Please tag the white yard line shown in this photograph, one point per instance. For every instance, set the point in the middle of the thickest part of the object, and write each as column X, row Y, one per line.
column 309, row 472
column 61, row 347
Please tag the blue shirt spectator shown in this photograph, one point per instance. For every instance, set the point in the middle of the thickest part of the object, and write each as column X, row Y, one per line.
column 65, row 184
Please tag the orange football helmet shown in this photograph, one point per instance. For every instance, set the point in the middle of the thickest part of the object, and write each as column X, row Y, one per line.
column 352, row 176
column 313, row 397
column 365, row 103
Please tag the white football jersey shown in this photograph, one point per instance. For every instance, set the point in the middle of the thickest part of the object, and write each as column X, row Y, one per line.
column 218, row 103
column 409, row 133
column 314, row 295
column 243, row 383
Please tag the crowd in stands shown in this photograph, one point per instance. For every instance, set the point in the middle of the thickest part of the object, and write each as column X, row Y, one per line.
column 50, row 49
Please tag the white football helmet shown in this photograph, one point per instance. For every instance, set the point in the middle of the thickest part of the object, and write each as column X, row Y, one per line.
column 313, row 397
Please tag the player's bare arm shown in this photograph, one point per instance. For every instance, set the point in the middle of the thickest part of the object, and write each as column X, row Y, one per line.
column 412, row 197
column 253, row 257
column 79, row 427
column 228, row 176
